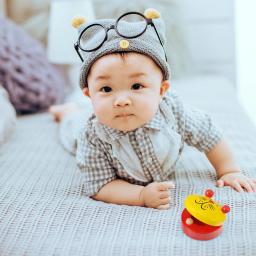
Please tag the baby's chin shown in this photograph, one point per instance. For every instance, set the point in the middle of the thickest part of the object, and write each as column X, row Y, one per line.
column 128, row 122
column 125, row 125
column 128, row 129
column 125, row 128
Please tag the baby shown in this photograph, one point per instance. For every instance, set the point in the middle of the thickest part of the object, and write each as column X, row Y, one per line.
column 130, row 144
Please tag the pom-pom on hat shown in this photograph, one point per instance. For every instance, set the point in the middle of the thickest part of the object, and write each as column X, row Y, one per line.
column 147, row 43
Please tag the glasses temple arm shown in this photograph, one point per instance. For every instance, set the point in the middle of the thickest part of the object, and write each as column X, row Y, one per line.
column 152, row 24
column 77, row 50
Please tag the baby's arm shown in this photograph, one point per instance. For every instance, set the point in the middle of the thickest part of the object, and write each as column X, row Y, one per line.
column 228, row 172
column 222, row 159
column 199, row 131
column 154, row 195
column 102, row 183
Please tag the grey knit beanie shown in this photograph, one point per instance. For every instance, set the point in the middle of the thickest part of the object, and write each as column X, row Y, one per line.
column 148, row 43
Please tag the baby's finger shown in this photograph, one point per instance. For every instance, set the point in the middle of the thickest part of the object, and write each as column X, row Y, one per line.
column 165, row 201
column 163, row 194
column 165, row 185
column 253, row 185
column 220, row 183
column 163, row 207
column 235, row 184
column 246, row 185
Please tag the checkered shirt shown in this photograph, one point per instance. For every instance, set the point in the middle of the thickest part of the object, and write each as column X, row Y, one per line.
column 98, row 165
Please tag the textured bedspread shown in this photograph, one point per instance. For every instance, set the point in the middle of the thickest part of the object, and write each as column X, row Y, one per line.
column 43, row 210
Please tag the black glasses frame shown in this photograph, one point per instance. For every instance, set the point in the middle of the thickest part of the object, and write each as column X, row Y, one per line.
column 148, row 22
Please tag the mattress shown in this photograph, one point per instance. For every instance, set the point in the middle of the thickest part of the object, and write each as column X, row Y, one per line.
column 43, row 209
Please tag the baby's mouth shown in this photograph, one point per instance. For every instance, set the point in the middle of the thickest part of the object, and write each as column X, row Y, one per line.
column 124, row 115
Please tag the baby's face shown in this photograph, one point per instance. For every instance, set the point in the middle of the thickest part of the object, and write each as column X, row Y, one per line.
column 125, row 91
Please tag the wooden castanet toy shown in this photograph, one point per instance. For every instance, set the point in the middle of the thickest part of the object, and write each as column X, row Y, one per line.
column 203, row 218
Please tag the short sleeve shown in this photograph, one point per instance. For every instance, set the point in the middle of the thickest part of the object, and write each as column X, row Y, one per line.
column 196, row 127
column 94, row 163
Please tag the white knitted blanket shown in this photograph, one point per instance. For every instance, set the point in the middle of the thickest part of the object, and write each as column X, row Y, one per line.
column 43, row 210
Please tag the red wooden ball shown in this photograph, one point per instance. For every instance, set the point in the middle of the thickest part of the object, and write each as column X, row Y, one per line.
column 225, row 209
column 209, row 193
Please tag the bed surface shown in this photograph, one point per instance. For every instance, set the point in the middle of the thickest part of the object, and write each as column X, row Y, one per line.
column 43, row 210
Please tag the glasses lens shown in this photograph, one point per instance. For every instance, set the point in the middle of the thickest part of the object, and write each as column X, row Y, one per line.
column 131, row 25
column 92, row 37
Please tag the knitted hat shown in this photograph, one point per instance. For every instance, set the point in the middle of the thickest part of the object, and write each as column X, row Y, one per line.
column 148, row 43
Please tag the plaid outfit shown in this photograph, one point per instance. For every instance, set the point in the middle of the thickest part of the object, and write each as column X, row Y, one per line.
column 146, row 154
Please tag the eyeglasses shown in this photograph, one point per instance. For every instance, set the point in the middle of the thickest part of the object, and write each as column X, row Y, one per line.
column 88, row 43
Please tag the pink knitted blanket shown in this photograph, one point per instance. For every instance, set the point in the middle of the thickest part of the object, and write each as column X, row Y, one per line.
column 32, row 82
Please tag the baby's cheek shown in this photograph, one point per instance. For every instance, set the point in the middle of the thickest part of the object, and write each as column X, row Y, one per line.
column 149, row 107
column 101, row 112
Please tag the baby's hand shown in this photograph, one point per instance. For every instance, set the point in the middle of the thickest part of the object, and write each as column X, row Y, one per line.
column 156, row 195
column 238, row 181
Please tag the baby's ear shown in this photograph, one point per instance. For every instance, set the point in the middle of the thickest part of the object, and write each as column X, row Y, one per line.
column 86, row 92
column 165, row 85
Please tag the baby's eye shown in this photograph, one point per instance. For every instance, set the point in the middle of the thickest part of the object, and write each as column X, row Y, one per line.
column 137, row 86
column 106, row 89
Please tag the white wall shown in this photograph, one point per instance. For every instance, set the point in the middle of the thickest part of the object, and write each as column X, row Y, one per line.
column 211, row 38
column 2, row 7
column 245, row 23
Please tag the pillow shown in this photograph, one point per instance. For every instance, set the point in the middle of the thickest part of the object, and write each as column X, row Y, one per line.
column 32, row 82
column 7, row 117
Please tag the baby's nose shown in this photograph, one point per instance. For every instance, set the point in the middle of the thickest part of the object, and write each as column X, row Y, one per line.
column 122, row 100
